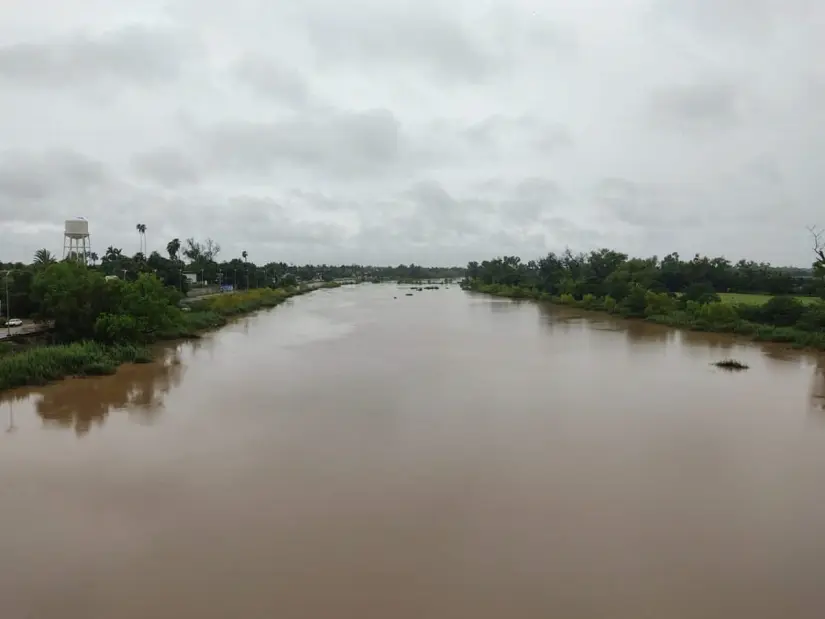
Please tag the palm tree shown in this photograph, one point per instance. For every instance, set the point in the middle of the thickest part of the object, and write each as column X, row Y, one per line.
column 141, row 228
column 93, row 257
column 244, row 256
column 43, row 257
column 173, row 247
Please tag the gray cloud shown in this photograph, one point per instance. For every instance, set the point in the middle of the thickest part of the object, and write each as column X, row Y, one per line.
column 338, row 143
column 752, row 21
column 167, row 167
column 270, row 79
column 28, row 181
column 389, row 131
column 712, row 105
column 132, row 54
column 645, row 205
column 440, row 45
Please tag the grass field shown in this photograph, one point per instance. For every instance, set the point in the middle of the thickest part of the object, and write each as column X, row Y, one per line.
column 755, row 299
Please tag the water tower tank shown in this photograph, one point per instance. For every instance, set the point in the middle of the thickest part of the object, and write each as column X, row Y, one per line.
column 76, row 228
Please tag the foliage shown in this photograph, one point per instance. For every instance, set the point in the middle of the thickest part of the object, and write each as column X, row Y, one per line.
column 670, row 291
column 43, row 257
column 41, row 365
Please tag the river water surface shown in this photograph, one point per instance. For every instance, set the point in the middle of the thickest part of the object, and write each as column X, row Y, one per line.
column 354, row 455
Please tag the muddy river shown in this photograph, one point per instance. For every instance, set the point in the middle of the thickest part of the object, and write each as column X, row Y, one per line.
column 446, row 455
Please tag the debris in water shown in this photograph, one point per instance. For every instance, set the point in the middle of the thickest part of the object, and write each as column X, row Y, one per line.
column 731, row 364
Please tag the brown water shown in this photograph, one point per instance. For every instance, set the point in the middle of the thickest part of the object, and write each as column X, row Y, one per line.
column 444, row 455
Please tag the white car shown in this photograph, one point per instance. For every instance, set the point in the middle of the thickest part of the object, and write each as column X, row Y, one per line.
column 14, row 322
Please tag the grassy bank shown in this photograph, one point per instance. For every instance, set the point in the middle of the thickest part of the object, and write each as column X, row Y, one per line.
column 41, row 365
column 22, row 365
column 778, row 319
column 736, row 298
column 214, row 312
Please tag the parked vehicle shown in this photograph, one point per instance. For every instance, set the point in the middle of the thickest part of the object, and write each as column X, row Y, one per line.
column 13, row 322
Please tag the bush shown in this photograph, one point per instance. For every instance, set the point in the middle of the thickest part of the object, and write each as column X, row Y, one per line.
column 635, row 303
column 813, row 318
column 701, row 293
column 609, row 304
column 659, row 304
column 782, row 311
column 718, row 315
column 112, row 328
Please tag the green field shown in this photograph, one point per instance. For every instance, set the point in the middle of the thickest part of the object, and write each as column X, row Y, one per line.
column 755, row 299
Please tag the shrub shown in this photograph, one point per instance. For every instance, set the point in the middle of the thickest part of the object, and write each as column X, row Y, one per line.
column 635, row 303
column 701, row 292
column 813, row 318
column 782, row 311
column 718, row 315
column 609, row 304
column 659, row 304
column 112, row 328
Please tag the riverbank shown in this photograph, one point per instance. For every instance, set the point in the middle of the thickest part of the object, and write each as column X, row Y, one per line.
column 782, row 319
column 38, row 364
column 214, row 312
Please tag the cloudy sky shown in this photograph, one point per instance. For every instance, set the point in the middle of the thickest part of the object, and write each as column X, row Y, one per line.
column 387, row 131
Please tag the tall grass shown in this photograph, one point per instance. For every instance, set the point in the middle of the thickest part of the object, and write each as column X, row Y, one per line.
column 41, row 365
column 213, row 312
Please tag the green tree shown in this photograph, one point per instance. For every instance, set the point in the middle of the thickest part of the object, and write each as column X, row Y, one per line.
column 172, row 248
column 141, row 229
column 43, row 257
column 71, row 297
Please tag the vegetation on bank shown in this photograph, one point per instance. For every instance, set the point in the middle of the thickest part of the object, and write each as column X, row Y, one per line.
column 670, row 292
column 213, row 312
column 97, row 324
column 40, row 365
column 750, row 298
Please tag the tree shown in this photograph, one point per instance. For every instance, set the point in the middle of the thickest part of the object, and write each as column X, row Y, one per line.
column 43, row 257
column 72, row 297
column 244, row 255
column 94, row 258
column 141, row 228
column 172, row 248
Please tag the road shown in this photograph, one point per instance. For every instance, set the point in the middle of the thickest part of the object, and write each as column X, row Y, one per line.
column 29, row 326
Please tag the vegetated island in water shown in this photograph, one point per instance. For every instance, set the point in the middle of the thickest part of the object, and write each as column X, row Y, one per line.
column 751, row 299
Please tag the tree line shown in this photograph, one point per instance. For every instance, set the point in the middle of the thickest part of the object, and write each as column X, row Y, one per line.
column 606, row 272
column 199, row 259
column 673, row 291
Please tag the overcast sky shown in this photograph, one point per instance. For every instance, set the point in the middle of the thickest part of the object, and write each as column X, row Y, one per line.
column 387, row 131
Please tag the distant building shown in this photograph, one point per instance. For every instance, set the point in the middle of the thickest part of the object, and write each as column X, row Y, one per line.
column 191, row 278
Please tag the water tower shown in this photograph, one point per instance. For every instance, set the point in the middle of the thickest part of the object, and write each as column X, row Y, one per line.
column 76, row 244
